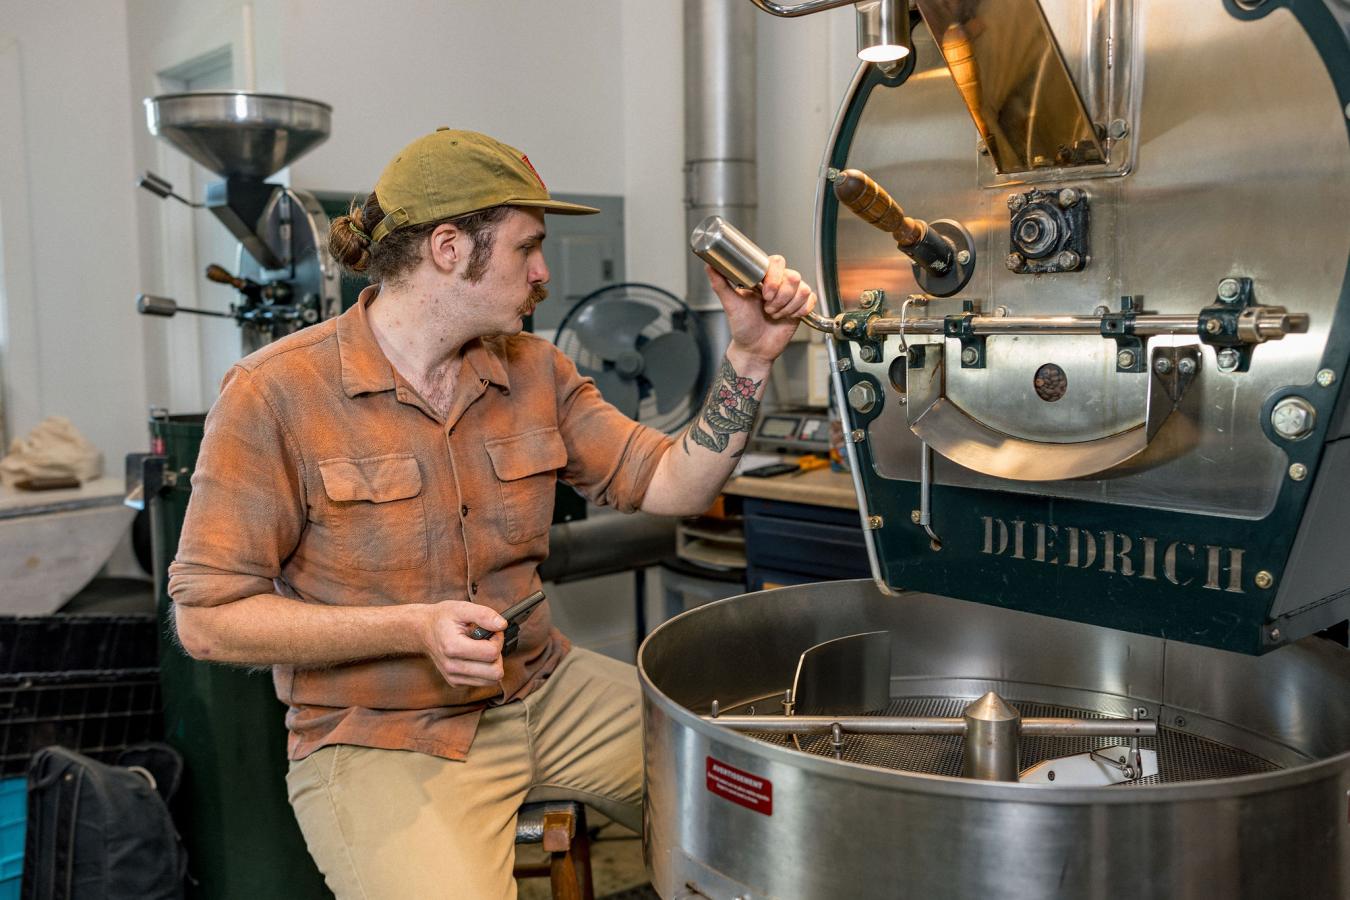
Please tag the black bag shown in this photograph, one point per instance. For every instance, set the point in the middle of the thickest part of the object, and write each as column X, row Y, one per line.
column 101, row 832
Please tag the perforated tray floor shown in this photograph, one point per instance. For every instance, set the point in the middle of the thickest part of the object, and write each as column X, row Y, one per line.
column 1181, row 756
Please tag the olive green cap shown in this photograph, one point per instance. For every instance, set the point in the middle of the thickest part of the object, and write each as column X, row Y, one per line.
column 449, row 173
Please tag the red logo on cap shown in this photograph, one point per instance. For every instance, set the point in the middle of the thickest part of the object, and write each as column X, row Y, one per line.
column 526, row 161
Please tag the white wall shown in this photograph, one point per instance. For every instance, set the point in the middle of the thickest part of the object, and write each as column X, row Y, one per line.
column 73, row 342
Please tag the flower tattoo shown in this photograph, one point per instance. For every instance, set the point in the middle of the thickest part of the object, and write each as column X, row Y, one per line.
column 730, row 409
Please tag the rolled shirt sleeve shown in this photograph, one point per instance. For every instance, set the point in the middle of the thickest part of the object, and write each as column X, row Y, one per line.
column 611, row 458
column 247, row 507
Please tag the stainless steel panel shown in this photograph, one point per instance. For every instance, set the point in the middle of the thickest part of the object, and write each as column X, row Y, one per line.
column 1168, row 233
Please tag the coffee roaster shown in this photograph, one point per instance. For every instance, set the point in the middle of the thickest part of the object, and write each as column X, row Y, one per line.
column 227, row 722
column 283, row 274
column 1084, row 268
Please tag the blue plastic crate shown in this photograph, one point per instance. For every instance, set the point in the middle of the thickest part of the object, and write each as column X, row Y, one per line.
column 13, row 815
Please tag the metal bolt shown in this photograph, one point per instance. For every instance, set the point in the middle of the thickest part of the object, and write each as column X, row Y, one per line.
column 1118, row 129
column 1213, row 326
column 843, row 365
column 1179, row 721
column 1186, row 366
column 1298, row 471
column 1326, row 378
column 871, row 298
column 875, row 522
column 915, row 516
column 850, row 326
column 970, row 356
column 1264, row 579
column 868, row 353
column 1067, row 259
column 1125, row 359
column 1293, row 418
column 1229, row 359
column 862, row 396
column 984, row 148
column 1228, row 289
column 1068, row 197
column 1101, row 310
column 1015, row 261
column 1274, row 634
column 1002, row 312
column 1347, row 110
column 1016, row 202
column 857, row 436
column 1162, row 365
column 963, row 257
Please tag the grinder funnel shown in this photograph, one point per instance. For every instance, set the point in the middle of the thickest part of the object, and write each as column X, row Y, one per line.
column 238, row 134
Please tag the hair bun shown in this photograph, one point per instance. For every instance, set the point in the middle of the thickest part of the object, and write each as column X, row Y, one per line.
column 348, row 242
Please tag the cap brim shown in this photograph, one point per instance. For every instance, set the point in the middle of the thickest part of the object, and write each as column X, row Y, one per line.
column 555, row 206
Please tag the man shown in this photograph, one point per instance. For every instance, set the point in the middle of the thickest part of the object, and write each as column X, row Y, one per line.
column 371, row 489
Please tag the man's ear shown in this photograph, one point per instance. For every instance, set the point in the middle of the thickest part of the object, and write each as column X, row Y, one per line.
column 449, row 247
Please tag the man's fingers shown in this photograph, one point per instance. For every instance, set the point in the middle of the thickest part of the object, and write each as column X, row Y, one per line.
column 470, row 614
column 773, row 278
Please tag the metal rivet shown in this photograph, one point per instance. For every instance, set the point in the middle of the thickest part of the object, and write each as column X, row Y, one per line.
column 1118, row 129
column 1326, row 378
column 1014, row 261
column 1186, row 366
column 915, row 516
column 1125, row 359
column 1228, row 288
column 1298, row 471
column 963, row 257
column 1264, row 579
column 869, row 354
column 843, row 365
column 1274, row 634
column 857, row 435
column 970, row 356
column 1016, row 202
column 1101, row 310
column 1068, row 197
column 875, row 522
column 1067, row 259
column 1002, row 312
column 1162, row 365
column 1228, row 359
column 1179, row 721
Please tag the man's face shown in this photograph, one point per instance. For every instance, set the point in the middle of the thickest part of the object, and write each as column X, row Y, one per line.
column 513, row 283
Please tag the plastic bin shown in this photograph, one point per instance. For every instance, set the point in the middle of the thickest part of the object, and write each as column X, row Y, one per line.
column 13, row 813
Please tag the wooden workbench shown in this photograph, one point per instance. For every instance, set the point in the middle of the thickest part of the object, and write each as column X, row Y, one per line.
column 818, row 487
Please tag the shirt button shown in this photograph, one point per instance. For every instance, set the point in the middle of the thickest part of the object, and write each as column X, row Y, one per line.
column 463, row 510
column 473, row 588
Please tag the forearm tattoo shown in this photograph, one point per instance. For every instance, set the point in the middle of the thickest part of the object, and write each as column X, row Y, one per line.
column 730, row 409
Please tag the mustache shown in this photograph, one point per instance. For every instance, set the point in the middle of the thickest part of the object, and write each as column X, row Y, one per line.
column 538, row 294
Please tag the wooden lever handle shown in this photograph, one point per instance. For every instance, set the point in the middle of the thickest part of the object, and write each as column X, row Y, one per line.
column 856, row 190
column 220, row 276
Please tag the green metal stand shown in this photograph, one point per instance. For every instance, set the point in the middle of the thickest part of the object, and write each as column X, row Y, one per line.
column 241, row 836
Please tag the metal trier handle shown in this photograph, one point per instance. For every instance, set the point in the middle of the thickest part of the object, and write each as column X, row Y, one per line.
column 739, row 259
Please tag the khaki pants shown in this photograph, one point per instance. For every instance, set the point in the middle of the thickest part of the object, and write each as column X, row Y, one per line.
column 395, row 825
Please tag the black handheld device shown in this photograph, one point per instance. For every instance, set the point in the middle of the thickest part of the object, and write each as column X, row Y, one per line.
column 514, row 616
column 771, row 470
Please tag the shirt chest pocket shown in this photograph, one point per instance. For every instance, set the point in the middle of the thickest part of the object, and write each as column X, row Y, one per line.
column 526, row 467
column 377, row 514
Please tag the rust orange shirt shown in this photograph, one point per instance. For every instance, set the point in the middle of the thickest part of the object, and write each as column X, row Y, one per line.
column 324, row 477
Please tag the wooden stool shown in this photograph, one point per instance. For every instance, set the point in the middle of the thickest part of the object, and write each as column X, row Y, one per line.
column 561, row 827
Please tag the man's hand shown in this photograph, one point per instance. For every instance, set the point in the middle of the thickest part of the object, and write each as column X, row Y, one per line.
column 763, row 320
column 462, row 661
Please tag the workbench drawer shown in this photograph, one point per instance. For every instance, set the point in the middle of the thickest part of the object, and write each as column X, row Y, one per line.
column 811, row 550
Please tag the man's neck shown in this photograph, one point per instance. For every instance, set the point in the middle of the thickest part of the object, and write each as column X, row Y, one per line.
column 412, row 328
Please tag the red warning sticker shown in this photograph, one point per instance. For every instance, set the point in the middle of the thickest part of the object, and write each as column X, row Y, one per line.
column 739, row 787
